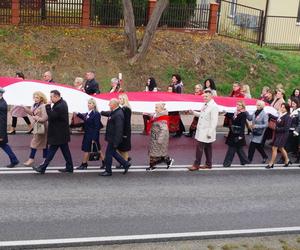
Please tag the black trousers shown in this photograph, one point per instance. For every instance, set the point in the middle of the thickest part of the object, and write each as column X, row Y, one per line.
column 230, row 155
column 260, row 149
column 66, row 154
column 14, row 121
column 207, row 148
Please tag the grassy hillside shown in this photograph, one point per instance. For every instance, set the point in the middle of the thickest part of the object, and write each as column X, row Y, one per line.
column 71, row 52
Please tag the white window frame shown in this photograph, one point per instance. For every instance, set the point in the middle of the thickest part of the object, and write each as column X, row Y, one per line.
column 298, row 15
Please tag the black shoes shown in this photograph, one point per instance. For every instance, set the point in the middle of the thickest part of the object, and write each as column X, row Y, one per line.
column 287, row 164
column 126, row 168
column 65, row 170
column 103, row 165
column 150, row 169
column 12, row 165
column 105, row 174
column 12, row 132
column 83, row 166
column 269, row 166
column 29, row 131
column 170, row 163
column 264, row 160
column 39, row 169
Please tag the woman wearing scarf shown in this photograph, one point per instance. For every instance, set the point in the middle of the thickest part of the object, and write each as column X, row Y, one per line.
column 236, row 137
column 281, row 134
column 159, row 138
column 39, row 114
column 259, row 124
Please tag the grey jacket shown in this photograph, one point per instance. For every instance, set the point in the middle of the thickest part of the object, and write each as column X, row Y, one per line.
column 261, row 123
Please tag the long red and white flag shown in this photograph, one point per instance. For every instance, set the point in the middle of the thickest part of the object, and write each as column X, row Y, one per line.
column 19, row 92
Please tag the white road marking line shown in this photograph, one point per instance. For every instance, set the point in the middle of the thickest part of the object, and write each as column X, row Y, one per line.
column 150, row 237
column 143, row 169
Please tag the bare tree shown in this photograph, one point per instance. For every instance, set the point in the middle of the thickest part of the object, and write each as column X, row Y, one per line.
column 135, row 53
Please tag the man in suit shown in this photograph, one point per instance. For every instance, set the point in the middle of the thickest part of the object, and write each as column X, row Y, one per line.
column 206, row 131
column 91, row 87
column 114, row 136
column 3, row 132
column 47, row 77
column 58, row 133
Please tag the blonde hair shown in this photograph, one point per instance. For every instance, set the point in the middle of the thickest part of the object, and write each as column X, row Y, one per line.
column 260, row 103
column 246, row 88
column 41, row 95
column 242, row 103
column 78, row 80
column 161, row 105
column 93, row 101
column 125, row 99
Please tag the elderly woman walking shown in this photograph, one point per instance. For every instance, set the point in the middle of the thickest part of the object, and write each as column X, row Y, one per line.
column 159, row 138
column 259, row 124
column 39, row 115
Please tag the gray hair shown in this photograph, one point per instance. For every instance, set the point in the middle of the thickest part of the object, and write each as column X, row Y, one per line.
column 114, row 80
column 260, row 103
column 114, row 101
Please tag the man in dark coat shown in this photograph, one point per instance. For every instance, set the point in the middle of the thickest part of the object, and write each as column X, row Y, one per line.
column 91, row 87
column 3, row 132
column 58, row 132
column 114, row 136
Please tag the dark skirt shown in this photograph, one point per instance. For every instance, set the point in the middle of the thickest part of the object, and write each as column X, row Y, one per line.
column 87, row 143
column 280, row 139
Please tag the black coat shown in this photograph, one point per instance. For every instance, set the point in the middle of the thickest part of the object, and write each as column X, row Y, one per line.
column 58, row 123
column 3, row 122
column 282, row 130
column 126, row 142
column 92, row 126
column 91, row 87
column 114, row 126
column 237, row 129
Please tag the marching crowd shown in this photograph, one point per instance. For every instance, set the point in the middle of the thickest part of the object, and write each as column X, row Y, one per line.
column 51, row 130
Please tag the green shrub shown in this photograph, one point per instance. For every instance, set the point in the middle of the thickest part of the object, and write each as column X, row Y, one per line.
column 178, row 14
column 108, row 12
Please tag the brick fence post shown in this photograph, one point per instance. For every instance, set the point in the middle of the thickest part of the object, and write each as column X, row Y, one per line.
column 213, row 18
column 151, row 6
column 15, row 12
column 86, row 13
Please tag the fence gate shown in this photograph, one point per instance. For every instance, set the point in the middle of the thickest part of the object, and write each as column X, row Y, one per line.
column 240, row 21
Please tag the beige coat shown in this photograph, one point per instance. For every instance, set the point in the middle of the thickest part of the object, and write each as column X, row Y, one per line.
column 159, row 137
column 207, row 123
column 40, row 141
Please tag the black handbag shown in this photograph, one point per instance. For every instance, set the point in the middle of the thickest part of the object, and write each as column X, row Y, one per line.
column 94, row 154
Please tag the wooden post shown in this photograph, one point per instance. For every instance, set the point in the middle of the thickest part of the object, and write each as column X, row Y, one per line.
column 213, row 18
column 86, row 8
column 15, row 12
column 151, row 6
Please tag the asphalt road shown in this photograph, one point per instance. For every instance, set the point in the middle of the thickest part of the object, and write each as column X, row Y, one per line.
column 75, row 205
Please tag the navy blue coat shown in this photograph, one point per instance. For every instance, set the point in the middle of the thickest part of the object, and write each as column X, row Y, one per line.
column 3, row 122
column 92, row 126
column 126, row 142
column 91, row 87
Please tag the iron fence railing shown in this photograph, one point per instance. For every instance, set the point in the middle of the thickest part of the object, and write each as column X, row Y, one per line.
column 111, row 13
column 282, row 32
column 5, row 11
column 186, row 16
column 49, row 12
column 240, row 21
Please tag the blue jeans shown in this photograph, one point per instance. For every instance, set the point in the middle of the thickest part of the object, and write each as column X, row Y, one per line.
column 111, row 153
column 7, row 149
column 66, row 154
column 33, row 152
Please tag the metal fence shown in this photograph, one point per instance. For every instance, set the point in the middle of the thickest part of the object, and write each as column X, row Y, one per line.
column 282, row 32
column 111, row 14
column 5, row 11
column 59, row 12
column 186, row 16
column 240, row 21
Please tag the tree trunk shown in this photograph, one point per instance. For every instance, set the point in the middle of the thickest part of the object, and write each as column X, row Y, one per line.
column 160, row 6
column 130, row 30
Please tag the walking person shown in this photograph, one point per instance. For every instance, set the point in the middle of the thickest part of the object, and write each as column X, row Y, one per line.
column 58, row 133
column 125, row 145
column 39, row 115
column 281, row 133
column 3, row 132
column 114, row 136
column 236, row 137
column 91, row 127
column 159, row 138
column 259, row 124
column 206, row 131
